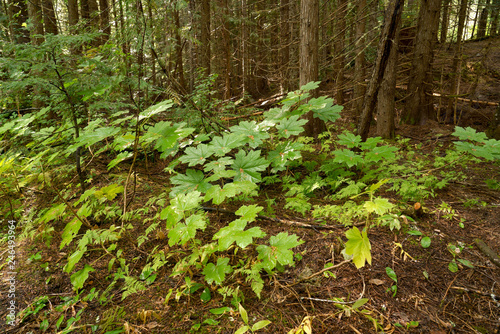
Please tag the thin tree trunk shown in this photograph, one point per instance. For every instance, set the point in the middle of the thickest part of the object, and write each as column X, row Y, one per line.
column 445, row 18
column 359, row 66
column 339, row 46
column 179, row 68
column 49, row 17
column 386, row 104
column 418, row 106
column 226, row 42
column 205, row 54
column 386, row 45
column 35, row 14
column 285, row 45
column 18, row 14
column 104, row 20
column 309, row 30
column 483, row 20
column 457, row 55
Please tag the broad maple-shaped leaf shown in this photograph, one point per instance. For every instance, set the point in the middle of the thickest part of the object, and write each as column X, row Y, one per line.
column 216, row 273
column 349, row 139
column 251, row 132
column 358, row 246
column 235, row 232
column 279, row 250
column 381, row 153
column 218, row 195
column 324, row 109
column 218, row 165
column 186, row 202
column 192, row 180
column 119, row 158
column 379, row 205
column 292, row 126
column 197, row 155
column 166, row 135
column 370, row 143
column 247, row 167
column 283, row 153
column 223, row 145
column 347, row 157
column 182, row 233
column 249, row 212
column 469, row 134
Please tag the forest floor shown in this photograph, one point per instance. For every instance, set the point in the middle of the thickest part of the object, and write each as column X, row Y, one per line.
column 429, row 299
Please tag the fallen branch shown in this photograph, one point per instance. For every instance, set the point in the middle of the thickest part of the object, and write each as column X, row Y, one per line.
column 278, row 220
column 488, row 251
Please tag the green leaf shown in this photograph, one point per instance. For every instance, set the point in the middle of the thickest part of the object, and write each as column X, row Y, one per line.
column 359, row 303
column 156, row 109
column 79, row 278
column 219, row 165
column 119, row 158
column 425, row 242
column 90, row 138
column 279, row 250
column 291, row 126
column 206, row 296
column 220, row 310
column 324, row 109
column 259, row 325
column 381, row 153
column 310, row 85
column 469, row 134
column 235, row 232
column 392, row 274
column 249, row 212
column 349, row 139
column 182, row 233
column 223, row 145
column 196, row 155
column 186, row 202
column 166, row 135
column 453, row 266
column 414, row 232
column 283, row 153
column 251, row 132
column 242, row 329
column 217, row 273
column 70, row 231
column 74, row 259
column 218, row 195
column 358, row 246
column 247, row 167
column 243, row 313
column 380, row 206
column 192, row 180
column 370, row 143
column 466, row 263
column 347, row 157
column 53, row 213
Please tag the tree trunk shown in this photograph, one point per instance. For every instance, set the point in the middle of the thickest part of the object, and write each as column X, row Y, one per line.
column 49, row 17
column 339, row 44
column 359, row 65
column 179, row 68
column 483, row 20
column 418, row 106
column 35, row 14
column 104, row 20
column 18, row 14
column 285, row 45
column 309, row 33
column 73, row 17
column 494, row 18
column 456, row 58
column 205, row 54
column 385, row 49
column 226, row 42
column 386, row 104
column 445, row 18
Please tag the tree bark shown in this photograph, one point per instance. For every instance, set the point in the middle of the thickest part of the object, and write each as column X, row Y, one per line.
column 483, row 20
column 73, row 17
column 18, row 14
column 359, row 65
column 104, row 20
column 385, row 47
column 49, row 17
column 418, row 106
column 285, row 45
column 35, row 14
column 445, row 18
column 309, row 34
column 205, row 54
column 386, row 104
column 456, row 58
column 339, row 45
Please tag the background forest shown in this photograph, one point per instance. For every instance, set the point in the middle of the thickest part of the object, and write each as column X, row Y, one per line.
column 314, row 166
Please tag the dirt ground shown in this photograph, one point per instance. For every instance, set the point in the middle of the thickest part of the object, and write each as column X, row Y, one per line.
column 441, row 301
